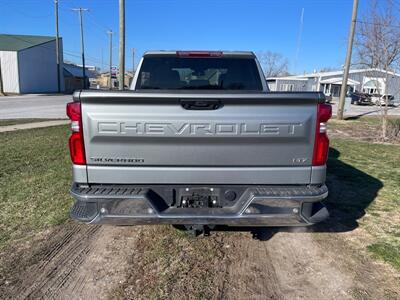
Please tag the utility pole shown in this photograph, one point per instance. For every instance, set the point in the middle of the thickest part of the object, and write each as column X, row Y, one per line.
column 80, row 10
column 102, row 59
column 121, row 78
column 1, row 83
column 343, row 90
column 57, row 47
column 133, row 61
column 110, row 33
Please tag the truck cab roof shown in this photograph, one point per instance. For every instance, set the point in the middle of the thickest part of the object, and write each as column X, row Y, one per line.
column 202, row 53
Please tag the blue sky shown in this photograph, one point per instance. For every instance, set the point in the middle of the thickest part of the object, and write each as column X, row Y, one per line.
column 257, row 25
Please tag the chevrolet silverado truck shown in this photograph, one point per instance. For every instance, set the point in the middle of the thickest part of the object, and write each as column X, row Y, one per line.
column 199, row 141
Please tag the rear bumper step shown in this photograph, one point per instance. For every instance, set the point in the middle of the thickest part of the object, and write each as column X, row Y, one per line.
column 231, row 205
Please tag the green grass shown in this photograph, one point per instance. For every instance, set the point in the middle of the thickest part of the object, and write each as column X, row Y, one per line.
column 363, row 180
column 34, row 181
column 9, row 122
column 387, row 252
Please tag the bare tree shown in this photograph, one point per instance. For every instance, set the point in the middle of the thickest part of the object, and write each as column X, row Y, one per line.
column 273, row 64
column 378, row 47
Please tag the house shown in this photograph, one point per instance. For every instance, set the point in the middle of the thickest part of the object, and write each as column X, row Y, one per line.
column 372, row 81
column 28, row 64
column 104, row 80
column 74, row 79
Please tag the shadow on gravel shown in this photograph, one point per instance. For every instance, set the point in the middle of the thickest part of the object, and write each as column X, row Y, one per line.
column 351, row 191
column 372, row 112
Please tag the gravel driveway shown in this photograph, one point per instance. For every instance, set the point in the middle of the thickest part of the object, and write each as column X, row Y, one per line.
column 46, row 106
column 52, row 106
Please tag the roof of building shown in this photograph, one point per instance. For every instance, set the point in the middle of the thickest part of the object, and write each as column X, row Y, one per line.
column 15, row 42
column 340, row 72
column 339, row 80
column 331, row 73
column 76, row 71
column 287, row 78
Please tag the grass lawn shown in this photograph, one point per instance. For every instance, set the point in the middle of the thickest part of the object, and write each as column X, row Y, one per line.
column 363, row 181
column 9, row 122
column 34, row 181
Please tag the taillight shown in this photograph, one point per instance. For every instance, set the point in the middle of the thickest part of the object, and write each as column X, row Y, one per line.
column 199, row 53
column 321, row 144
column 76, row 145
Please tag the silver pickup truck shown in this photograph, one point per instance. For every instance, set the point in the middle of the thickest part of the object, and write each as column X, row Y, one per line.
column 199, row 141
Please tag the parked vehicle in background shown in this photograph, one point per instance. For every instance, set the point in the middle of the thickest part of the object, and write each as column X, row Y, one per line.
column 328, row 98
column 199, row 141
column 384, row 100
column 375, row 98
column 358, row 98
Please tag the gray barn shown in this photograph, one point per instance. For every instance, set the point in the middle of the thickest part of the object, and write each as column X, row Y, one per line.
column 28, row 64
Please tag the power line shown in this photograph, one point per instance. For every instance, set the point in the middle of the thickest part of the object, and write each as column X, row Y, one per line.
column 66, row 52
column 86, row 57
column 97, row 23
column 94, row 25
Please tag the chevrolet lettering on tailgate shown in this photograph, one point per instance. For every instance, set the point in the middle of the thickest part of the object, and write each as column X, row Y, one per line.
column 199, row 128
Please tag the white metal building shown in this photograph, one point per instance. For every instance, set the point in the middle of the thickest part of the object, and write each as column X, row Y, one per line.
column 28, row 64
column 371, row 81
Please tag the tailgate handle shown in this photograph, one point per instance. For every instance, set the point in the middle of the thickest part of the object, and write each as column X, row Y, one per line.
column 201, row 104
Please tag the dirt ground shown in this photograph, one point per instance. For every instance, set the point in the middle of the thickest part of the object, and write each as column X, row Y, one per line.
column 85, row 262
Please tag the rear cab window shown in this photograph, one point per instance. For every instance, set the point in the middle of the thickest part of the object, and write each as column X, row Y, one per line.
column 174, row 72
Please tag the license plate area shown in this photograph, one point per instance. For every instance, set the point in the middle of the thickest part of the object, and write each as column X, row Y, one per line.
column 198, row 198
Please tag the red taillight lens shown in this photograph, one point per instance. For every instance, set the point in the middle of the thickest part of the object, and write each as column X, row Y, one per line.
column 324, row 112
column 199, row 53
column 76, row 148
column 321, row 144
column 76, row 144
column 74, row 111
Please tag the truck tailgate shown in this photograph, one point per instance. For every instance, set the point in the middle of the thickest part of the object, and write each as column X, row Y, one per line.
column 155, row 138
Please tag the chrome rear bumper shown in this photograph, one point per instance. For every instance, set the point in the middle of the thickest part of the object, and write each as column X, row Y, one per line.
column 161, row 204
